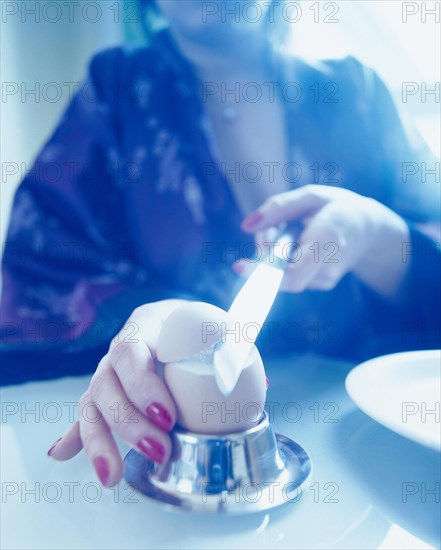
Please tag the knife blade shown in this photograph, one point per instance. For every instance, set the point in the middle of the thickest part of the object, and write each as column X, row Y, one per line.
column 249, row 309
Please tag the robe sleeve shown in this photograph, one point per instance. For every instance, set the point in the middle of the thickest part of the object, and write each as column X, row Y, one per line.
column 71, row 274
column 382, row 157
column 410, row 173
column 407, row 163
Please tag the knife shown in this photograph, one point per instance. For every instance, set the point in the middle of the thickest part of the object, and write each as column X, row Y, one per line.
column 249, row 310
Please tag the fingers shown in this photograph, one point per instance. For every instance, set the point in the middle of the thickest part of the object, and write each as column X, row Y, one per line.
column 298, row 275
column 125, row 396
column 327, row 279
column 106, row 407
column 94, row 434
column 124, row 418
column 265, row 238
column 322, row 250
column 134, row 366
column 68, row 445
column 306, row 274
column 318, row 262
column 244, row 268
column 284, row 207
column 99, row 443
column 302, row 271
column 145, row 324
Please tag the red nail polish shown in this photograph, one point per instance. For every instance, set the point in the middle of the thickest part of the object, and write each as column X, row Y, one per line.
column 160, row 416
column 102, row 469
column 252, row 220
column 267, row 382
column 152, row 449
column 53, row 446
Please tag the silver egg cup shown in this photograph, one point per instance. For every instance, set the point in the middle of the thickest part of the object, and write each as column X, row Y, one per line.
column 236, row 473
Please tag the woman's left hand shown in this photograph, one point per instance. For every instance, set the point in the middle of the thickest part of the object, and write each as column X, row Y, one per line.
column 343, row 232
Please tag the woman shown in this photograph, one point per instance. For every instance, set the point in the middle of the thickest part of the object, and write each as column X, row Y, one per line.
column 141, row 200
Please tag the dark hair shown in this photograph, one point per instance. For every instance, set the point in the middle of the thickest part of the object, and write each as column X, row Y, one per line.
column 151, row 18
column 148, row 6
column 277, row 32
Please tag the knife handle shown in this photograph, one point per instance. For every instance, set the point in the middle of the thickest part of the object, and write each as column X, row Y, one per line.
column 286, row 238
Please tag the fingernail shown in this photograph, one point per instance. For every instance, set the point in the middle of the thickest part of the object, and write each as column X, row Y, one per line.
column 152, row 448
column 253, row 219
column 53, row 447
column 102, row 468
column 160, row 416
column 267, row 382
column 238, row 267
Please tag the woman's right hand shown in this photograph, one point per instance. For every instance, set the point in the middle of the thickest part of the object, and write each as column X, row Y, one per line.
column 125, row 396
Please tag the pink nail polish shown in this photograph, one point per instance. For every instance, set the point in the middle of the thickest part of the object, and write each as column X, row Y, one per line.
column 152, row 449
column 267, row 382
column 253, row 219
column 102, row 469
column 160, row 416
column 238, row 267
column 53, row 447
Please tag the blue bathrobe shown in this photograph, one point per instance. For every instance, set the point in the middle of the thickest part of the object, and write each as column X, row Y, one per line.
column 127, row 203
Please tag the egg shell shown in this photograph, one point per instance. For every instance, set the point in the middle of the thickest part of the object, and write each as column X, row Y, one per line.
column 190, row 329
column 202, row 408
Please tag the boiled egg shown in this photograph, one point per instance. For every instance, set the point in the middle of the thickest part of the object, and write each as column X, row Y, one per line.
column 186, row 345
column 190, row 329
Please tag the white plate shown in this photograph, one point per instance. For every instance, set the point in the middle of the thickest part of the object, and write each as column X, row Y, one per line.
column 401, row 391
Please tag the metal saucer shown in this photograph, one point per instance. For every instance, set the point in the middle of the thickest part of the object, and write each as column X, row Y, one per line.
column 236, row 473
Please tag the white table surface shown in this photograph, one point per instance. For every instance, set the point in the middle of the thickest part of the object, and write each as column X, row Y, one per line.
column 354, row 498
